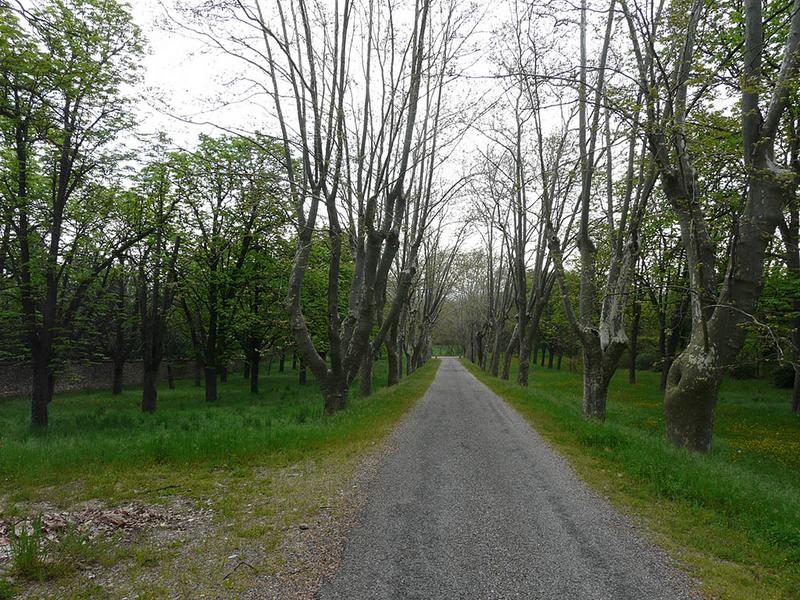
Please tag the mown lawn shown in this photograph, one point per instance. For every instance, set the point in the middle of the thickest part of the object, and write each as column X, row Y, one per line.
column 264, row 463
column 732, row 517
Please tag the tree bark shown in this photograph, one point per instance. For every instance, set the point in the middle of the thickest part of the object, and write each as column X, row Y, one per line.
column 595, row 389
column 392, row 356
column 365, row 375
column 42, row 387
column 282, row 363
column 210, row 373
column 254, row 361
column 119, row 372
column 149, row 389
column 170, row 376
column 509, row 354
column 634, row 341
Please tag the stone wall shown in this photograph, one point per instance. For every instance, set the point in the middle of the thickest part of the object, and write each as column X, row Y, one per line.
column 15, row 380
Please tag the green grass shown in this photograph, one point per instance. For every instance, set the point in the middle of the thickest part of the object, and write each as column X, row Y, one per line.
column 94, row 430
column 733, row 516
column 264, row 463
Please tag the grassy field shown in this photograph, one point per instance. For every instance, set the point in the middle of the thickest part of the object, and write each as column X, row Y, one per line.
column 263, row 463
column 732, row 517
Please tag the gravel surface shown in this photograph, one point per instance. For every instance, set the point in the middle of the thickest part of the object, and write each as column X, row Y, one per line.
column 474, row 504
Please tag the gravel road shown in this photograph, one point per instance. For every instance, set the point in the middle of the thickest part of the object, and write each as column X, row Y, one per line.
column 473, row 504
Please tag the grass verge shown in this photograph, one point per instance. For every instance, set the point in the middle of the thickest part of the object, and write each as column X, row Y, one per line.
column 732, row 517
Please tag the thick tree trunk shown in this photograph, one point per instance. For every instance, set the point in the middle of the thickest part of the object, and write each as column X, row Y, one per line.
column 662, row 352
column 211, row 383
column 595, row 390
column 690, row 400
column 400, row 361
column 254, row 361
column 149, row 389
column 334, row 391
column 365, row 375
column 494, row 365
column 634, row 342
column 509, row 354
column 42, row 386
column 119, row 372
column 524, row 361
column 392, row 356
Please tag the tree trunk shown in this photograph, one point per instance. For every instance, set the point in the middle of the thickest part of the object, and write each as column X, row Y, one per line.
column 223, row 373
column 524, row 361
column 365, row 375
column 558, row 364
column 796, row 390
column 544, row 355
column 334, row 402
column 282, row 363
column 634, row 341
column 550, row 358
column 595, row 389
column 119, row 371
column 302, row 376
column 662, row 351
column 494, row 365
column 400, row 355
column 170, row 376
column 42, row 386
column 595, row 386
column 254, row 360
column 509, row 354
column 690, row 400
column 294, row 361
column 149, row 390
column 211, row 383
column 392, row 357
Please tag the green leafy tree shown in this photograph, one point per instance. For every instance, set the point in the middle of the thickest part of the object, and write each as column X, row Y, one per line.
column 61, row 106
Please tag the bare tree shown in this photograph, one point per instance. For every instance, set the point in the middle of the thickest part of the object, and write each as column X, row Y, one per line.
column 718, row 311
